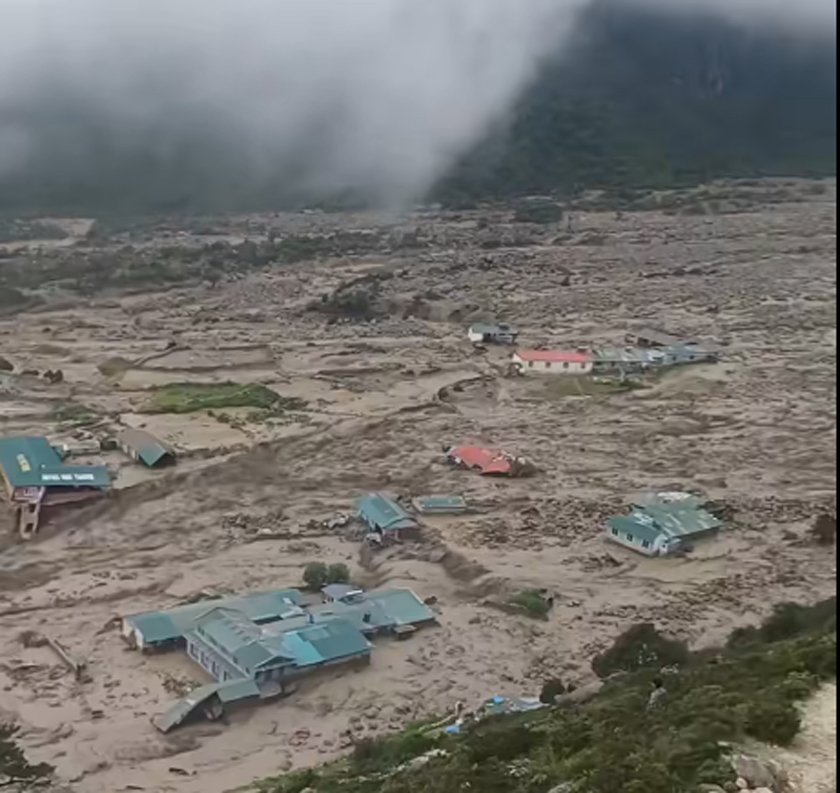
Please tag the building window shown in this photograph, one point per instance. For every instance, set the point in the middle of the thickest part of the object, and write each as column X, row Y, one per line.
column 629, row 536
column 645, row 544
column 615, row 532
column 548, row 364
column 530, row 364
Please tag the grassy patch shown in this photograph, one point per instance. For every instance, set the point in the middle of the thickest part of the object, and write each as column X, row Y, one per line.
column 189, row 397
column 616, row 742
column 74, row 413
column 531, row 602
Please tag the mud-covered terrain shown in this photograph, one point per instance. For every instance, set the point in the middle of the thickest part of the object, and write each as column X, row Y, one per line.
column 358, row 322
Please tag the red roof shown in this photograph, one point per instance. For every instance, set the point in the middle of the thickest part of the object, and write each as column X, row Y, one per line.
column 554, row 356
column 490, row 461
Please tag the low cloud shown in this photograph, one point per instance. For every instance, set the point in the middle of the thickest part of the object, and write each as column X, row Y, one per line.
column 379, row 95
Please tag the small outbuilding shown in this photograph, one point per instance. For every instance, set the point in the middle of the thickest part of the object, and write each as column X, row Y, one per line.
column 490, row 333
column 653, row 337
column 440, row 505
column 145, row 448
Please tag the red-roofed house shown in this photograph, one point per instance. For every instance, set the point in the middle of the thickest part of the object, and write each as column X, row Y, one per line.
column 486, row 461
column 553, row 361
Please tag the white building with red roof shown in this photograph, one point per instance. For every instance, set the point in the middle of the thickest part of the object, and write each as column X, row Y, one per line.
column 553, row 361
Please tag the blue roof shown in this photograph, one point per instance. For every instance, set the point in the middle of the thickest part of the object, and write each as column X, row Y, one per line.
column 33, row 462
column 381, row 511
column 327, row 641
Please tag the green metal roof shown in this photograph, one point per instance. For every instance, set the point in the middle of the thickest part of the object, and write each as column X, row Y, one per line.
column 180, row 710
column 670, row 519
column 629, row 525
column 379, row 510
column 232, row 691
column 239, row 639
column 440, row 504
column 677, row 520
column 324, row 642
column 172, row 624
column 149, row 449
column 403, row 606
column 32, row 462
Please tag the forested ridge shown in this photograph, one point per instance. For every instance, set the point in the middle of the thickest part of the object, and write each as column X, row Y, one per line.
column 638, row 98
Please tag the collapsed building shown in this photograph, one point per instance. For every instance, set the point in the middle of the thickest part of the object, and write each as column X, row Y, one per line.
column 663, row 523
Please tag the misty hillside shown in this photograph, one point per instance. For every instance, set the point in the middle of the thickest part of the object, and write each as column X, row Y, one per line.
column 647, row 100
column 639, row 99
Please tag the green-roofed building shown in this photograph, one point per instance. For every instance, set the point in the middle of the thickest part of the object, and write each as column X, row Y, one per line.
column 254, row 646
column 156, row 630
column 36, row 481
column 663, row 523
column 144, row 447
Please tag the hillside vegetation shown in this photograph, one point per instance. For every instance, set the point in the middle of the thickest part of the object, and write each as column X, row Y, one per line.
column 617, row 742
column 645, row 99
column 641, row 98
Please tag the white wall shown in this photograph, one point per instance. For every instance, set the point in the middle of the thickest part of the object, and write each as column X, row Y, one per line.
column 553, row 367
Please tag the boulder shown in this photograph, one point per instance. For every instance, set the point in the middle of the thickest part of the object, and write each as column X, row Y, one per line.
column 756, row 773
column 5, row 364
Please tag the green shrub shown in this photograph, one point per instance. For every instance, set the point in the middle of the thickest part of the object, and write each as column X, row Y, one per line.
column 315, row 575
column 338, row 573
column 638, row 647
column 551, row 688
column 773, row 721
column 543, row 212
column 15, row 769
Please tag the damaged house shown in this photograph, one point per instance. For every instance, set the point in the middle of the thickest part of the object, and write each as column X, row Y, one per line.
column 36, row 481
column 488, row 462
column 663, row 523
column 384, row 516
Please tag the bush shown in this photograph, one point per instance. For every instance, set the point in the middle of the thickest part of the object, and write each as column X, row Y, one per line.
column 538, row 212
column 551, row 688
column 315, row 575
column 774, row 721
column 14, row 767
column 639, row 647
column 787, row 621
column 338, row 574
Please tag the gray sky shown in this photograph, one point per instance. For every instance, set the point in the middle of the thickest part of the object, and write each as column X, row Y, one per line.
column 385, row 92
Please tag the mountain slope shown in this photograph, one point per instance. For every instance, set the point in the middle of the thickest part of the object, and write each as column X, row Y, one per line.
column 639, row 98
column 653, row 100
